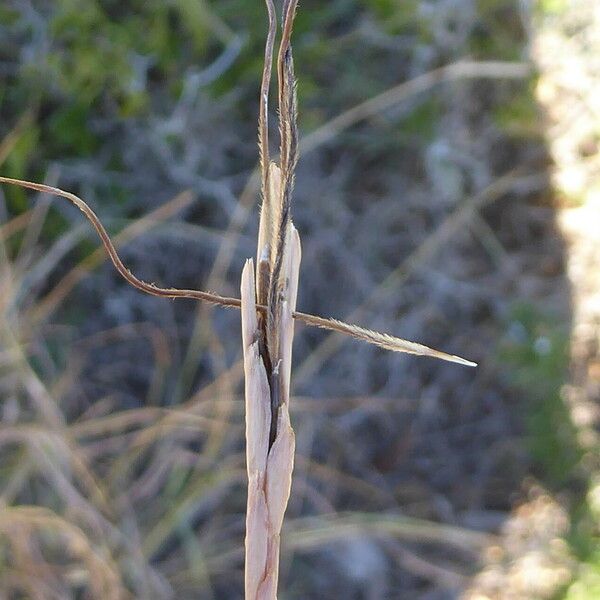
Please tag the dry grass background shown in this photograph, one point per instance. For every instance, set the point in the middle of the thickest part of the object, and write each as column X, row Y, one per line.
column 122, row 468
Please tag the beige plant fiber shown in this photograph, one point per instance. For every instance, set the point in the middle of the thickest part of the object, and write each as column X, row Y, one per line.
column 269, row 470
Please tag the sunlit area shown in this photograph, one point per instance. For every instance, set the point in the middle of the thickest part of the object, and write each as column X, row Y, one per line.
column 447, row 192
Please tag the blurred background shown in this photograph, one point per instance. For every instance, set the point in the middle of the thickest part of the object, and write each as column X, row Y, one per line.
column 447, row 192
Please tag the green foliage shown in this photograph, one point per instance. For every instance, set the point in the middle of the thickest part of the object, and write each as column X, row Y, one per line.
column 422, row 120
column 552, row 7
column 519, row 115
column 536, row 351
column 16, row 166
column 398, row 17
column 587, row 584
column 68, row 128
column 95, row 46
column 499, row 33
column 104, row 58
column 585, row 543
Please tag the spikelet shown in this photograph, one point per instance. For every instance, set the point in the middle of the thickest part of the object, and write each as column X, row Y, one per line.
column 269, row 465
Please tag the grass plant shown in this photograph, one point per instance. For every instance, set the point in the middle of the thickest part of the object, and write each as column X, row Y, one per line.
column 68, row 449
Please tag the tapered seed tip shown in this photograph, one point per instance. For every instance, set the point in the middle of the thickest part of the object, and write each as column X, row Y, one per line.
column 462, row 361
